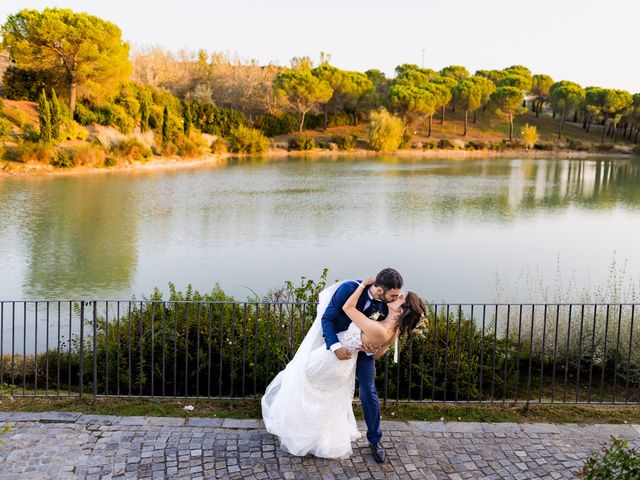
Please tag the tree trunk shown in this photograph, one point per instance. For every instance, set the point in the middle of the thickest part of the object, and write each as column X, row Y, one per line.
column 510, row 126
column 616, row 129
column 637, row 134
column 302, row 114
column 554, row 115
column 73, row 93
column 465, row 122
column 538, row 107
column 561, row 124
column 430, row 124
column 326, row 117
column 475, row 116
column 575, row 117
column 604, row 130
column 442, row 117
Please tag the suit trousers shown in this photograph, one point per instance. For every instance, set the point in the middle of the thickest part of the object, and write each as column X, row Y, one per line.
column 366, row 373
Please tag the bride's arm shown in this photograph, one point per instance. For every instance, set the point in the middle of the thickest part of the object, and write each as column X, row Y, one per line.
column 383, row 349
column 375, row 332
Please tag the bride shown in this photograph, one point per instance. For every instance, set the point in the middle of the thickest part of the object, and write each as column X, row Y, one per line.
column 308, row 405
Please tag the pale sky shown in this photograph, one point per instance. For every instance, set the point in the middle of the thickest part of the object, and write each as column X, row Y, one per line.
column 587, row 41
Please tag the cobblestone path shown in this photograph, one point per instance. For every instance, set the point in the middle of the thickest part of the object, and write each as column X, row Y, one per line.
column 70, row 445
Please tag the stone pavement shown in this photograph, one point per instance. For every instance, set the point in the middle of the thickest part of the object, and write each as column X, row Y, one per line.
column 71, row 445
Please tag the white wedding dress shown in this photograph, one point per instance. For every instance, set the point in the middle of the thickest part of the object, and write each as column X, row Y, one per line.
column 308, row 405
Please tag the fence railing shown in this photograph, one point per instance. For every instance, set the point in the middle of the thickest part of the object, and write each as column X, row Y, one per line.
column 494, row 353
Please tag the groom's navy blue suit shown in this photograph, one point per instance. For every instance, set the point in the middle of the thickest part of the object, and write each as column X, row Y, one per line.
column 335, row 320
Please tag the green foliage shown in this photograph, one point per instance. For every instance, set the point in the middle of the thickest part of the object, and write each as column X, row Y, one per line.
column 385, row 131
column 84, row 115
column 244, row 139
column 63, row 159
column 529, row 135
column 186, row 117
column 277, row 123
column 144, row 111
column 445, row 144
column 214, row 120
column 547, row 147
column 165, row 125
column 191, row 146
column 44, row 117
column 506, row 102
column 540, row 89
column 456, row 72
column 471, row 145
column 301, row 142
column 301, row 91
column 345, row 142
column 413, row 102
column 26, row 84
column 89, row 155
column 56, row 116
column 132, row 149
column 84, row 49
column 30, row 152
column 614, row 462
column 5, row 127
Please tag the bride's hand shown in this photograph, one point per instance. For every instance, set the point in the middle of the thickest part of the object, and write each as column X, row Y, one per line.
column 369, row 281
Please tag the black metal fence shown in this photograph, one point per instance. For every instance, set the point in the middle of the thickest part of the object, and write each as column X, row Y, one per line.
column 533, row 353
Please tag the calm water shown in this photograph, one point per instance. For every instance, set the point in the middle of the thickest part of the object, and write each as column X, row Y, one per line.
column 454, row 228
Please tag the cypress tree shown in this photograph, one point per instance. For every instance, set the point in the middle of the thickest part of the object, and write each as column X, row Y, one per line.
column 186, row 113
column 44, row 115
column 165, row 125
column 144, row 112
column 56, row 116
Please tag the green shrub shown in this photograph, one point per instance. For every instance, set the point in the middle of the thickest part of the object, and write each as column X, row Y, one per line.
column 110, row 162
column 132, row 149
column 243, row 139
column 405, row 142
column 471, row 145
column 547, row 147
column 604, row 147
column 5, row 127
column 428, row 146
column 191, row 146
column 301, row 143
column 64, row 159
column 385, row 131
column 445, row 144
column 345, row 142
column 214, row 120
column 116, row 116
column 277, row 123
column 35, row 153
column 219, row 145
column 576, row 145
column 71, row 130
column 84, row 115
column 89, row 155
column 614, row 462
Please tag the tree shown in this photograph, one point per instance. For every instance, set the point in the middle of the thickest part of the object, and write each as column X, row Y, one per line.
column 145, row 110
column 616, row 104
column 88, row 51
column 445, row 84
column 540, row 87
column 494, row 75
column 165, row 125
column 355, row 92
column 335, row 78
column 566, row 97
column 594, row 102
column 301, row 91
column 487, row 87
column 44, row 117
column 467, row 94
column 187, row 119
column 56, row 116
column 456, row 72
column 506, row 102
column 414, row 103
column 385, row 131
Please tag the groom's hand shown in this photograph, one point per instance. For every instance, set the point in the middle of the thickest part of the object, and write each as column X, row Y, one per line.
column 342, row 353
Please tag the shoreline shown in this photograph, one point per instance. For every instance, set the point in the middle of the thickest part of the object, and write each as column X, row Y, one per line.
column 11, row 169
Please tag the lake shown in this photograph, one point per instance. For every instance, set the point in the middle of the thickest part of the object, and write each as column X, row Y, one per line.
column 478, row 230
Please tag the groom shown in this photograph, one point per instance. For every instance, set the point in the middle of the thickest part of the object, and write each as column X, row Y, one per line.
column 373, row 303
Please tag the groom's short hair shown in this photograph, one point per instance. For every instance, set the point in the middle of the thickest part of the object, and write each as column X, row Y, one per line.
column 389, row 279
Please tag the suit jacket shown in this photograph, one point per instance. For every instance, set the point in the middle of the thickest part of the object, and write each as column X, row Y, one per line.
column 335, row 320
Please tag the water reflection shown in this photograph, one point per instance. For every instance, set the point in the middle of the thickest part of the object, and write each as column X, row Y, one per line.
column 258, row 221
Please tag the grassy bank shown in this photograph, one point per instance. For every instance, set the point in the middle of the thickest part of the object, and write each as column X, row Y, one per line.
column 520, row 413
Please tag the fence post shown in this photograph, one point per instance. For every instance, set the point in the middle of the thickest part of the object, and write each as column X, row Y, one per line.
column 81, row 373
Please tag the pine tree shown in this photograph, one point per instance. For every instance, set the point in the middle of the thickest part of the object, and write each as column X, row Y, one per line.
column 165, row 125
column 56, row 116
column 44, row 115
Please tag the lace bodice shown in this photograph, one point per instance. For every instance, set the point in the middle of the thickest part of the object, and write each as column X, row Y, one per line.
column 351, row 338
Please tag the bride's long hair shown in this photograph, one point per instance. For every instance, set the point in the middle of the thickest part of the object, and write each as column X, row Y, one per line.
column 412, row 311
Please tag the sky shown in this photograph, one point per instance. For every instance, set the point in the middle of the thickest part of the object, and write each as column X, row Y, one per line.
column 587, row 41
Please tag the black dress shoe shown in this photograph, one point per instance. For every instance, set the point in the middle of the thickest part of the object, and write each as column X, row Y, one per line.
column 378, row 452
